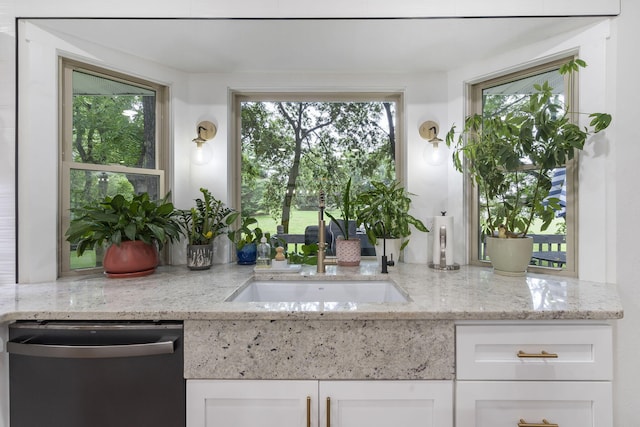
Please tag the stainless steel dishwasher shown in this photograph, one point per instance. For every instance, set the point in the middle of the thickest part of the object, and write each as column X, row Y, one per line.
column 96, row 374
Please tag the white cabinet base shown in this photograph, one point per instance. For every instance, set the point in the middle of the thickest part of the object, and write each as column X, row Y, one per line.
column 387, row 403
column 505, row 403
column 237, row 403
column 240, row 403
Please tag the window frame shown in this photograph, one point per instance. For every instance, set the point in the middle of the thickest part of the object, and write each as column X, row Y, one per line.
column 66, row 68
column 474, row 106
column 239, row 96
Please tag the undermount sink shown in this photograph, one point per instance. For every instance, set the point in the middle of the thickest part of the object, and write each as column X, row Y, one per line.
column 339, row 291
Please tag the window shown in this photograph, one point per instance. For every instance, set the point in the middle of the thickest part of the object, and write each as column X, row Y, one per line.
column 291, row 146
column 112, row 139
column 555, row 246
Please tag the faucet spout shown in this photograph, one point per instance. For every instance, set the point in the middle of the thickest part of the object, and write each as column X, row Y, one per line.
column 383, row 258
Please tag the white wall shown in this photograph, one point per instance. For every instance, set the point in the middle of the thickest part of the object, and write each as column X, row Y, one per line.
column 7, row 144
column 625, row 87
column 311, row 8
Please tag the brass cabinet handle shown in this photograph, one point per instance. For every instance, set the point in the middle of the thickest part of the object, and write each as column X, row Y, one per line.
column 542, row 355
column 328, row 412
column 544, row 423
column 308, row 411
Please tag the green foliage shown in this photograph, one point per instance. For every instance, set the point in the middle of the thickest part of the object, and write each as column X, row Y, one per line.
column 102, row 134
column 207, row 220
column 510, row 156
column 292, row 150
column 347, row 209
column 245, row 233
column 113, row 130
column 308, row 255
column 118, row 219
column 384, row 208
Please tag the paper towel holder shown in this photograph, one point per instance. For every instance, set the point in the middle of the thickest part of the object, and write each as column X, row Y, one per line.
column 442, row 238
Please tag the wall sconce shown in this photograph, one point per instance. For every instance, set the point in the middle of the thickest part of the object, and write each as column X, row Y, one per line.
column 202, row 153
column 435, row 152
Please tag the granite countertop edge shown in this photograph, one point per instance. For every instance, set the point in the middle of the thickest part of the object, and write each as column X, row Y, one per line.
column 175, row 293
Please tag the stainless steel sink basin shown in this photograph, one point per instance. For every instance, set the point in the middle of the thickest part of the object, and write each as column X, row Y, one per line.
column 339, row 291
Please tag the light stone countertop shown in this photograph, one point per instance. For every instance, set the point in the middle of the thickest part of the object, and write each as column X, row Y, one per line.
column 471, row 293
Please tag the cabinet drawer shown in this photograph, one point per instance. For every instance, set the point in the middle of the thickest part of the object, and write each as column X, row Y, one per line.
column 534, row 352
column 527, row 403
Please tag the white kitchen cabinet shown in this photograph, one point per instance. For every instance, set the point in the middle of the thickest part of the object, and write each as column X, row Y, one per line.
column 240, row 403
column 529, row 403
column 515, row 352
column 534, row 374
column 386, row 403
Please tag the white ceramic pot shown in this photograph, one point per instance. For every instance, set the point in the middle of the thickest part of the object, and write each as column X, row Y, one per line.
column 510, row 257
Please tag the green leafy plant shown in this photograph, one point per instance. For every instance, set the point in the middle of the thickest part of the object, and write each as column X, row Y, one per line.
column 347, row 210
column 384, row 211
column 117, row 219
column 245, row 233
column 308, row 255
column 510, row 157
column 207, row 220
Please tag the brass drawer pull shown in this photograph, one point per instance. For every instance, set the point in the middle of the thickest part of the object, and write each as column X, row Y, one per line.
column 308, row 411
column 328, row 412
column 544, row 423
column 542, row 355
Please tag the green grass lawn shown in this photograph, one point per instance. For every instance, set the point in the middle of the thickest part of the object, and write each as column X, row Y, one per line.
column 87, row 260
column 299, row 221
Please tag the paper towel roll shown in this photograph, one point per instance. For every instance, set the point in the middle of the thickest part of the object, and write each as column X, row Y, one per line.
column 438, row 223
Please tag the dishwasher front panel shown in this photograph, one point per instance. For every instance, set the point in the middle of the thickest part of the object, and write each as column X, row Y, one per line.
column 78, row 374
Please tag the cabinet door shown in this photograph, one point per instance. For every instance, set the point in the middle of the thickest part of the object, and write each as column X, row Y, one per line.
column 386, row 403
column 534, row 352
column 526, row 403
column 239, row 403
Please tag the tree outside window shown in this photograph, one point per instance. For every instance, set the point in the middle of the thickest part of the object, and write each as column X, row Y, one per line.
column 293, row 149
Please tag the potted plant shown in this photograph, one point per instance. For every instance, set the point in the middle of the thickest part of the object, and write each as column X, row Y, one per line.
column 510, row 157
column 347, row 247
column 202, row 224
column 246, row 238
column 384, row 211
column 134, row 228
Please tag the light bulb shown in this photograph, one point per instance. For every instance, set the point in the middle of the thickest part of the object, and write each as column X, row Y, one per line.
column 201, row 153
column 435, row 153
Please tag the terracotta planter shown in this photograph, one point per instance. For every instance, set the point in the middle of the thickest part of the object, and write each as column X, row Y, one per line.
column 130, row 259
column 200, row 257
column 348, row 252
column 510, row 257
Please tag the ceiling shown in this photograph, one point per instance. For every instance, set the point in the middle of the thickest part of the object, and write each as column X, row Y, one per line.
column 316, row 45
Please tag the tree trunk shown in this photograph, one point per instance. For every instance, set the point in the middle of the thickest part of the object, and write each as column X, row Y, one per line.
column 295, row 167
column 147, row 159
column 392, row 129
